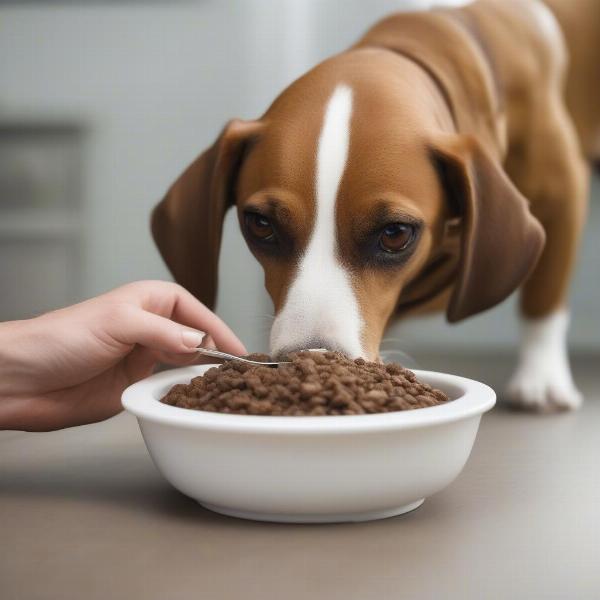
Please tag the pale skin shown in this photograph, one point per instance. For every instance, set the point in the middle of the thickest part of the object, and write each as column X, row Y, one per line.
column 69, row 367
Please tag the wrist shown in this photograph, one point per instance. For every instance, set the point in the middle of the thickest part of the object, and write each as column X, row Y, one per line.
column 13, row 373
column 9, row 334
column 14, row 413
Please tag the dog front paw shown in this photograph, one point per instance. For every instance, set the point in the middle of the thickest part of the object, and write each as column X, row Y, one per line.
column 542, row 390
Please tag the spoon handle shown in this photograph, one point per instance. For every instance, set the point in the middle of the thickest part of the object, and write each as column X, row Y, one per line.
column 225, row 356
column 217, row 354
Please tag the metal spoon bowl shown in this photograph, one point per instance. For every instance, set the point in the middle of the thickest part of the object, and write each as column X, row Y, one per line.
column 225, row 356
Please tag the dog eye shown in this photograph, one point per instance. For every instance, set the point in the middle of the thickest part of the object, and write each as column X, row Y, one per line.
column 259, row 227
column 396, row 237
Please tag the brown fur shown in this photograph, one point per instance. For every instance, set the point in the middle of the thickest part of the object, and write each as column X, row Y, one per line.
column 459, row 116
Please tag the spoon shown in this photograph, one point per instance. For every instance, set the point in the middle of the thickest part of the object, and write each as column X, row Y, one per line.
column 225, row 356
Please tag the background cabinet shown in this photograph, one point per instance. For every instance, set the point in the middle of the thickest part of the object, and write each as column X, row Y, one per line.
column 40, row 217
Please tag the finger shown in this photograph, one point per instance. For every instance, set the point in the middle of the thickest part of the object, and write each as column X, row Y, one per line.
column 189, row 311
column 178, row 360
column 209, row 343
column 136, row 326
column 140, row 363
column 183, row 360
column 171, row 300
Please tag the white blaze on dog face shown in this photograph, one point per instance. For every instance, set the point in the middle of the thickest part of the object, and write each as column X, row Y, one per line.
column 339, row 200
column 321, row 307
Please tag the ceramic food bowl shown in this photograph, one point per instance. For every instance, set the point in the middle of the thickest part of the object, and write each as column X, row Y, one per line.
column 310, row 469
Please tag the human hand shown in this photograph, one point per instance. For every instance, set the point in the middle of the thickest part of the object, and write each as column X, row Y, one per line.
column 70, row 366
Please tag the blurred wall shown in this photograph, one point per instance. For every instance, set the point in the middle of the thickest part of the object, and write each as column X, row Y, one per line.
column 154, row 83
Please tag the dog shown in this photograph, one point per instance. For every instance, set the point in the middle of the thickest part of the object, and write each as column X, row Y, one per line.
column 437, row 164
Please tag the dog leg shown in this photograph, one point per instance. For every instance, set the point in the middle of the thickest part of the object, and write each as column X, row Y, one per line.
column 543, row 378
column 555, row 179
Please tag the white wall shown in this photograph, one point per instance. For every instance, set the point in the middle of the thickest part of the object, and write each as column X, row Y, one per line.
column 155, row 83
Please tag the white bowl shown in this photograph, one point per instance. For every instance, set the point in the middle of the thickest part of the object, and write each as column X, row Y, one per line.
column 310, row 469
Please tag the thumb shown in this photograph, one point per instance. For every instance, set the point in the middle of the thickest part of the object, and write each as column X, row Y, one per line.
column 157, row 333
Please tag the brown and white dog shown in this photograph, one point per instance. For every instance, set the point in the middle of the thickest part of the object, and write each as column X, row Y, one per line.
column 437, row 163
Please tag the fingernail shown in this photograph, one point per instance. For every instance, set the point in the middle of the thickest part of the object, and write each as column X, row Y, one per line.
column 192, row 339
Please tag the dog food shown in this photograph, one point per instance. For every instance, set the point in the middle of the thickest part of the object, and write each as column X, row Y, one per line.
column 314, row 384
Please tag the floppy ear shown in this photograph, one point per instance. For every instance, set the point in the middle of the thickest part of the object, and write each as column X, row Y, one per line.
column 187, row 224
column 501, row 241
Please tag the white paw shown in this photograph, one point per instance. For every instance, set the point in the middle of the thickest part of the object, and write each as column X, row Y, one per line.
column 543, row 381
column 543, row 390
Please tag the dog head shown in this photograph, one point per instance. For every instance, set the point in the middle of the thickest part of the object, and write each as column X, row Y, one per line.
column 359, row 201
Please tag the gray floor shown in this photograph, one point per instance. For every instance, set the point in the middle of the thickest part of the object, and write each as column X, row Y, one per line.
column 83, row 514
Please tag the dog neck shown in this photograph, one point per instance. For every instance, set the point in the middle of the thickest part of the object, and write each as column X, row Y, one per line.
column 447, row 47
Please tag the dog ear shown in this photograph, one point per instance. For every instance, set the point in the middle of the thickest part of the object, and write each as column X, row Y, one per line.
column 188, row 222
column 501, row 241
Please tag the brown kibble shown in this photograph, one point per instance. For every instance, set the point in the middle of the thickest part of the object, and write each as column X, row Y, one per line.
column 314, row 383
column 318, row 401
column 309, row 389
